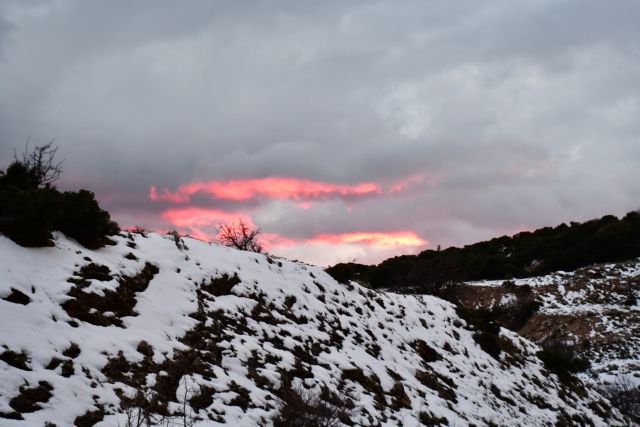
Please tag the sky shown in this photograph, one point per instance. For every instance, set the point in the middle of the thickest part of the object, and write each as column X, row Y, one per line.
column 344, row 130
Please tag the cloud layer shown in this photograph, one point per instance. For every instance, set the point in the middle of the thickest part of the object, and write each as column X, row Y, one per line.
column 452, row 121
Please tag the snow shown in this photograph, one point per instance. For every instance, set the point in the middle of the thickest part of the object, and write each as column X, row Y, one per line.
column 603, row 296
column 308, row 306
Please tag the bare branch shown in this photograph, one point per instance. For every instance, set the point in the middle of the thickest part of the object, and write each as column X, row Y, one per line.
column 41, row 163
column 239, row 236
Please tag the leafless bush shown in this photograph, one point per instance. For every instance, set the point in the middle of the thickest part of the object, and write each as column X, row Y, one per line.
column 137, row 229
column 239, row 236
column 188, row 418
column 624, row 395
column 41, row 163
column 140, row 411
column 304, row 408
column 177, row 239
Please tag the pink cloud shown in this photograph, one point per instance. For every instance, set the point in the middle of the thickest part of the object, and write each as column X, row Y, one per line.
column 201, row 222
column 403, row 238
column 276, row 188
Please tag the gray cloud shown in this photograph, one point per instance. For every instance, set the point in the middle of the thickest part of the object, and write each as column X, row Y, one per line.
column 521, row 113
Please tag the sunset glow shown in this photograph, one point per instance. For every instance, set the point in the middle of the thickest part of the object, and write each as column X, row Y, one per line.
column 379, row 239
column 201, row 222
column 306, row 194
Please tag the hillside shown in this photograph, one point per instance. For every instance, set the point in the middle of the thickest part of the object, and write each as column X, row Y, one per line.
column 596, row 309
column 526, row 254
column 180, row 330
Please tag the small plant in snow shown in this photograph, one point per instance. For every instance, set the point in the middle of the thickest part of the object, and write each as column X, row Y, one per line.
column 239, row 236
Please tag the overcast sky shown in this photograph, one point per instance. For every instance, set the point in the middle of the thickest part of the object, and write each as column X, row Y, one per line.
column 344, row 129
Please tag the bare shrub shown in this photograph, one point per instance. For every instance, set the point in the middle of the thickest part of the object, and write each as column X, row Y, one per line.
column 624, row 395
column 141, row 410
column 137, row 229
column 304, row 408
column 41, row 164
column 177, row 239
column 239, row 236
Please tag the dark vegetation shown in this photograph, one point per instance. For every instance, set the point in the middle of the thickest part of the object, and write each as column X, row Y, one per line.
column 526, row 254
column 17, row 297
column 512, row 316
column 31, row 207
column 303, row 408
column 28, row 400
column 563, row 360
column 625, row 396
column 239, row 236
column 486, row 328
column 93, row 308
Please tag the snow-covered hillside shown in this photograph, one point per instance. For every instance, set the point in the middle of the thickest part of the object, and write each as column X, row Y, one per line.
column 597, row 308
column 180, row 325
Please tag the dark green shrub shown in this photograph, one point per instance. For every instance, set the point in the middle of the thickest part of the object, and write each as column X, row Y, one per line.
column 428, row 419
column 82, row 219
column 563, row 360
column 624, row 395
column 303, row 408
column 31, row 207
column 18, row 176
column 346, row 272
column 486, row 328
column 27, row 216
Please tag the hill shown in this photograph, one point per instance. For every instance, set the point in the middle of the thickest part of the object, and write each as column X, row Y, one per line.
column 158, row 328
column 595, row 310
column 526, row 254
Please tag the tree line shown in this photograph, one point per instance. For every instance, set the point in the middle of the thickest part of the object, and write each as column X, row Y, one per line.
column 526, row 254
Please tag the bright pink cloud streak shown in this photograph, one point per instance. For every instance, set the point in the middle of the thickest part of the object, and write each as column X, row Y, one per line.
column 276, row 188
column 403, row 238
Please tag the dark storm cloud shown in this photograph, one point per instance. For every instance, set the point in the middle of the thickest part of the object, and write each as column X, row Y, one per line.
column 519, row 114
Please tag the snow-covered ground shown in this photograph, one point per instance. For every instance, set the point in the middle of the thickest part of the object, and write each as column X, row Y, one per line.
column 596, row 307
column 171, row 318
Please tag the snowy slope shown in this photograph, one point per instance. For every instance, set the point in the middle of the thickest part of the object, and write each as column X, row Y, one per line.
column 83, row 331
column 596, row 307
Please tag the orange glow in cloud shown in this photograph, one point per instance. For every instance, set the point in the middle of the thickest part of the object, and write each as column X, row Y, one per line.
column 375, row 238
column 276, row 188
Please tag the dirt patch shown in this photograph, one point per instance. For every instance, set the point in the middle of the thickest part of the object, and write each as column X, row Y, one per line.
column 543, row 327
